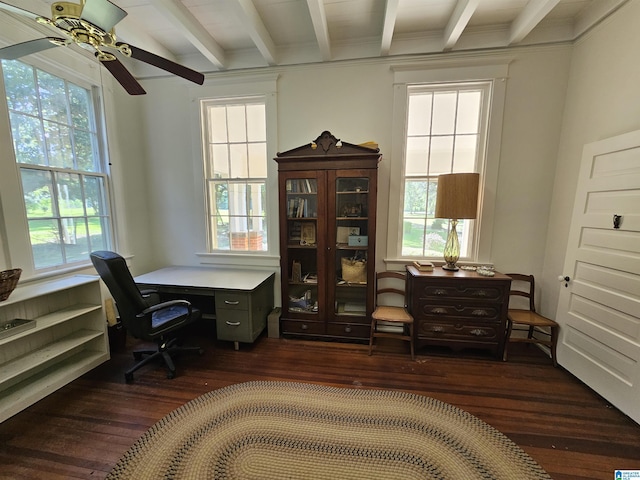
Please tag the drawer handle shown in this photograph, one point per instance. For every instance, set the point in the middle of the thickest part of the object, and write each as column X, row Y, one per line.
column 439, row 311
column 478, row 332
column 347, row 329
column 439, row 291
column 480, row 293
column 229, row 302
column 437, row 329
column 304, row 326
column 480, row 313
column 233, row 324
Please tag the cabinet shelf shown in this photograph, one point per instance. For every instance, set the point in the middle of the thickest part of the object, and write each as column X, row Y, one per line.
column 22, row 365
column 69, row 339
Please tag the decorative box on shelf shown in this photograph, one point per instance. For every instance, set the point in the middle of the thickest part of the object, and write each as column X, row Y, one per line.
column 358, row 240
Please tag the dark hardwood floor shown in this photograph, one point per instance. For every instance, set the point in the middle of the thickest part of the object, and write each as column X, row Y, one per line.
column 81, row 430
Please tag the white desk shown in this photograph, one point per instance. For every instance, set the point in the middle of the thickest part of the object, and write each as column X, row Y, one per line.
column 239, row 300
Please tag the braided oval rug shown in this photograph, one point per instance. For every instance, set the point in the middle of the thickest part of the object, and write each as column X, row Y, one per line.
column 281, row 430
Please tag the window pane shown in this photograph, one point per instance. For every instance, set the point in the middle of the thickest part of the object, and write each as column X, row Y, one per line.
column 239, row 167
column 219, row 161
column 95, row 196
column 53, row 98
column 419, row 122
column 99, row 232
column 441, row 158
column 84, row 142
column 70, row 202
column 58, row 145
column 28, row 139
column 237, row 123
column 256, row 123
column 74, row 236
column 444, row 113
column 465, row 154
column 45, row 242
column 20, row 87
column 38, row 193
column 468, row 112
column 217, row 124
column 417, row 156
column 257, row 160
column 80, row 101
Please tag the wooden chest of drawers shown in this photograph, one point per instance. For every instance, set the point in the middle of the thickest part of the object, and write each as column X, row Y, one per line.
column 458, row 309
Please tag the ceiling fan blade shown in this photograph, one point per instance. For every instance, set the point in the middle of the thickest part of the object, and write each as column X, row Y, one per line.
column 19, row 11
column 32, row 46
column 122, row 75
column 102, row 13
column 165, row 64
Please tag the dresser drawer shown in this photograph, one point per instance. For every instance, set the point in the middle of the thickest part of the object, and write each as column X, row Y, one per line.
column 349, row 330
column 460, row 292
column 434, row 311
column 459, row 330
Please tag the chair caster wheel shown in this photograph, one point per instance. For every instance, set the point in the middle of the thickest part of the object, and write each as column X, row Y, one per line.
column 171, row 375
column 128, row 377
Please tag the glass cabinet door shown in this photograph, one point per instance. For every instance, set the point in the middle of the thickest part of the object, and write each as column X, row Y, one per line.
column 302, row 245
column 352, row 227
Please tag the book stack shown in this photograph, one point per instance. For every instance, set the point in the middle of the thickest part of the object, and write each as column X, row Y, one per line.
column 423, row 266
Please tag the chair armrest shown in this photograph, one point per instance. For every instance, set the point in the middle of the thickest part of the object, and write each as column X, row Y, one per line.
column 163, row 305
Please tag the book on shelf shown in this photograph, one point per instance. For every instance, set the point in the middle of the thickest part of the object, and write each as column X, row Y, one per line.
column 423, row 266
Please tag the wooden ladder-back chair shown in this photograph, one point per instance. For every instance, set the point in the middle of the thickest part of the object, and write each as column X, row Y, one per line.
column 524, row 286
column 391, row 321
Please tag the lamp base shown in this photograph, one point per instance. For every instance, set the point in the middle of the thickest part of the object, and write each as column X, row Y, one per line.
column 452, row 267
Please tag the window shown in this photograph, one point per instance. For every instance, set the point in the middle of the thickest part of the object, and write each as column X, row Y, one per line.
column 445, row 133
column 235, row 157
column 57, row 149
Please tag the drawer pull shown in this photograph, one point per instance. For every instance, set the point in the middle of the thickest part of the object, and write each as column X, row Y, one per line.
column 437, row 329
column 478, row 332
column 229, row 302
column 480, row 313
column 439, row 311
column 480, row 293
column 439, row 291
column 233, row 324
column 347, row 329
column 304, row 326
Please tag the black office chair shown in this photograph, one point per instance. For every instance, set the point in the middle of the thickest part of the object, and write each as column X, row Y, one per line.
column 143, row 316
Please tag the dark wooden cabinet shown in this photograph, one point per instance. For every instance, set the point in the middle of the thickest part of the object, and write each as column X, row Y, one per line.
column 459, row 309
column 327, row 195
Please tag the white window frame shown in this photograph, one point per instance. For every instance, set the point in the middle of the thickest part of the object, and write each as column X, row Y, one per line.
column 15, row 245
column 494, row 70
column 232, row 85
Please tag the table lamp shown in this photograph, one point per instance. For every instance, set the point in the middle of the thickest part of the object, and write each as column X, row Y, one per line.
column 457, row 199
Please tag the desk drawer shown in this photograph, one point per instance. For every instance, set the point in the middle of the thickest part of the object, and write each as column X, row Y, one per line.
column 232, row 301
column 234, row 326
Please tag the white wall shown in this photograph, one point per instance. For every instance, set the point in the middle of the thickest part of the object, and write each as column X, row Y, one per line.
column 353, row 100
column 603, row 100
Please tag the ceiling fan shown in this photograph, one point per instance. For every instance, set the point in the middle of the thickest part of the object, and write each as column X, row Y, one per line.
column 90, row 25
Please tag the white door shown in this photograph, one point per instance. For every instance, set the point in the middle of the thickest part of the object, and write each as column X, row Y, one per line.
column 599, row 310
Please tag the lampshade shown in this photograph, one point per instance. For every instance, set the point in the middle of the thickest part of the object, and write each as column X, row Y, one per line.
column 457, row 195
